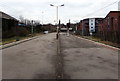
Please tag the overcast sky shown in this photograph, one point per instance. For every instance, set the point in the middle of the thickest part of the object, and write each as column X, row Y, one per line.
column 75, row 10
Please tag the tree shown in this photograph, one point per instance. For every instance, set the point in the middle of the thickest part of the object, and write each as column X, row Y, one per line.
column 21, row 19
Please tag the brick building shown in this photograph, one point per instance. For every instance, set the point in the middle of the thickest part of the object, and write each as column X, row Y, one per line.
column 109, row 29
column 89, row 25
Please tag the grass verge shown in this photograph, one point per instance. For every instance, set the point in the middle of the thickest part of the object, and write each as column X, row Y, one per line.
column 17, row 38
column 99, row 40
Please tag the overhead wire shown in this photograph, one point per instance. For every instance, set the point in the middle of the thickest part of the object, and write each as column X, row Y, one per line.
column 102, row 8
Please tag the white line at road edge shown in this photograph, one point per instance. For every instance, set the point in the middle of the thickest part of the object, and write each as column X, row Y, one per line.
column 98, row 43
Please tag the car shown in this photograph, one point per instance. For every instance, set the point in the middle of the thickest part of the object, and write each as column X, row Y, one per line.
column 45, row 32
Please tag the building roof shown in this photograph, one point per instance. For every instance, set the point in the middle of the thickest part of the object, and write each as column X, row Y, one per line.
column 6, row 16
column 118, row 12
column 92, row 18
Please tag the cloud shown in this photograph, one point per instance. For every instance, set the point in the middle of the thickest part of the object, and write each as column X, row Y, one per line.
column 73, row 9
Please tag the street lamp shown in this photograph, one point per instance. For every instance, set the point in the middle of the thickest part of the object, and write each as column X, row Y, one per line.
column 57, row 16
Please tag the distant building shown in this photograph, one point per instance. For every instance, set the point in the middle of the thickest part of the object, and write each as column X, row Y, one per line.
column 49, row 27
column 64, row 28
column 107, row 28
column 92, row 25
column 88, row 26
column 8, row 24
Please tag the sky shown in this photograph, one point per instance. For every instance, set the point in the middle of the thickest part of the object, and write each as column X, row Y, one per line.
column 75, row 10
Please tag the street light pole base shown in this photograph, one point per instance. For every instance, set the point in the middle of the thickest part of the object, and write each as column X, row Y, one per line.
column 57, row 36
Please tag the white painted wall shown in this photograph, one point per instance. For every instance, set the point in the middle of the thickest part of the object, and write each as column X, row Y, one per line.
column 92, row 25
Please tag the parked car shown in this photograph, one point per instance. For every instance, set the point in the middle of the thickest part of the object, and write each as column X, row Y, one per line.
column 45, row 32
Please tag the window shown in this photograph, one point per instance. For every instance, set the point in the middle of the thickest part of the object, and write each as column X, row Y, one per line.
column 92, row 31
column 91, row 23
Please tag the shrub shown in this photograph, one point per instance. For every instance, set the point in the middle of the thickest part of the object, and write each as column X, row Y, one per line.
column 20, row 31
column 8, row 34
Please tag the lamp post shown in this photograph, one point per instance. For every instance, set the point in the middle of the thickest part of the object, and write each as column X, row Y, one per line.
column 57, row 17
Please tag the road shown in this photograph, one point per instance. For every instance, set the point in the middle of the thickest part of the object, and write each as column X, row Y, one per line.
column 82, row 59
column 31, row 60
column 86, row 60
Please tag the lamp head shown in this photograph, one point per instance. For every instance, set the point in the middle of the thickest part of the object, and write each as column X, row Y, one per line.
column 62, row 5
column 51, row 5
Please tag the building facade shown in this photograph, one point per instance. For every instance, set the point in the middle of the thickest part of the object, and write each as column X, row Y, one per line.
column 109, row 29
column 92, row 25
column 8, row 25
column 89, row 26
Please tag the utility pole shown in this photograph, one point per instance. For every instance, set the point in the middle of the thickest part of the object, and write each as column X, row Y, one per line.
column 42, row 18
column 57, row 21
column 32, row 27
column 68, row 26
column 59, row 26
column 82, row 29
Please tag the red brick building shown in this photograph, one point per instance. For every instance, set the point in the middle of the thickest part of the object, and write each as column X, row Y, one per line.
column 84, row 26
column 109, row 29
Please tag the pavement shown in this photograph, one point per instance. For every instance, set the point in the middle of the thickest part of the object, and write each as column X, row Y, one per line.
column 84, row 59
column 39, row 58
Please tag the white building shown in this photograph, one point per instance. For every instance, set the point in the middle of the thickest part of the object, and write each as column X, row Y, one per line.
column 91, row 25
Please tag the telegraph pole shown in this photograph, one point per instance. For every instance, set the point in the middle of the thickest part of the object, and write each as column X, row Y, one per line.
column 32, row 27
column 82, row 29
column 59, row 26
column 42, row 18
column 68, row 26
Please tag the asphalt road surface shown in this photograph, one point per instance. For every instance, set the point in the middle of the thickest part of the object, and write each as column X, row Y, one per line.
column 86, row 60
column 31, row 60
column 36, row 59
